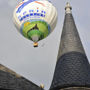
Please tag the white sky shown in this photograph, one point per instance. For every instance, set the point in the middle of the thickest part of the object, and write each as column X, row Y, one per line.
column 37, row 64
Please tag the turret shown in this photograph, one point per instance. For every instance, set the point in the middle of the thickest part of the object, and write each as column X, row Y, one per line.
column 72, row 71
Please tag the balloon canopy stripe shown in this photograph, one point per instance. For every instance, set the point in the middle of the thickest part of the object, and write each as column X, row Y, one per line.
column 23, row 4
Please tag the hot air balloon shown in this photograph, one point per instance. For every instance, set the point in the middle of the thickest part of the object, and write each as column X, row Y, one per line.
column 35, row 19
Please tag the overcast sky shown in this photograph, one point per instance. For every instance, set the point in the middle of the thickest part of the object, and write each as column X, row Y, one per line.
column 37, row 64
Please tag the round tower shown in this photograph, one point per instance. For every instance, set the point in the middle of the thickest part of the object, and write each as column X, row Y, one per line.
column 72, row 70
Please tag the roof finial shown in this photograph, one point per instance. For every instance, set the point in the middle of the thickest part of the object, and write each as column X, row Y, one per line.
column 68, row 8
column 42, row 86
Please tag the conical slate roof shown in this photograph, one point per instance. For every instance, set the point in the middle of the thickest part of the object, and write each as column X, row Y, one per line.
column 10, row 80
column 72, row 69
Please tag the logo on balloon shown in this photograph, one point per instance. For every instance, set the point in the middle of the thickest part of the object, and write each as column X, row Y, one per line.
column 31, row 14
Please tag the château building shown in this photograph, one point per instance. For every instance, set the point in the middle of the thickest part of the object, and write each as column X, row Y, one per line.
column 72, row 71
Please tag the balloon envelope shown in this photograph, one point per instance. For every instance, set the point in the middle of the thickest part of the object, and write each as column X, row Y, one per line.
column 35, row 19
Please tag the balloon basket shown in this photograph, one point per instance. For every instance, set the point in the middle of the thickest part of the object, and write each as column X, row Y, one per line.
column 35, row 44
